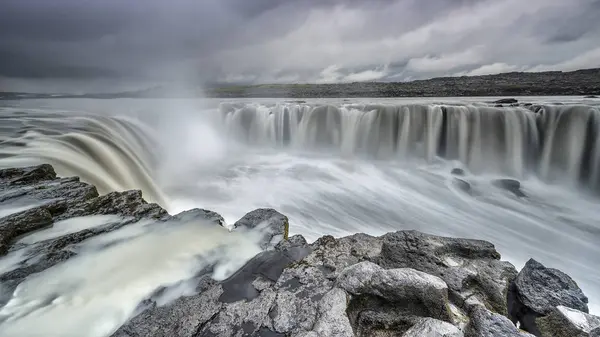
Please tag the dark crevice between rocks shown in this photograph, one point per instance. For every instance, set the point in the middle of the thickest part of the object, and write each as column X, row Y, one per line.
column 200, row 330
column 371, row 315
column 519, row 314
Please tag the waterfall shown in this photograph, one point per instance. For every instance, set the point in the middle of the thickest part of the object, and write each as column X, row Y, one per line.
column 555, row 142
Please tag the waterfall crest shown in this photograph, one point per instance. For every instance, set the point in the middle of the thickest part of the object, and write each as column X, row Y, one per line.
column 556, row 142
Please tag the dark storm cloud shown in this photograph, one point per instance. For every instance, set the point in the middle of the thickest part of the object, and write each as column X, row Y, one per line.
column 291, row 40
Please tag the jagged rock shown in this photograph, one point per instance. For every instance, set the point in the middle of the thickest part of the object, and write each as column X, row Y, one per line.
column 566, row 322
column 404, row 285
column 429, row 327
column 201, row 214
column 485, row 323
column 537, row 290
column 18, row 224
column 510, row 185
column 471, row 268
column 595, row 332
column 274, row 225
column 28, row 175
column 49, row 199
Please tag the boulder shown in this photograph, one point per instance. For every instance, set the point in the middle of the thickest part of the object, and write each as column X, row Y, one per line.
column 462, row 185
column 471, row 268
column 404, row 286
column 511, row 185
column 595, row 332
column 430, row 327
column 457, row 172
column 201, row 214
column 536, row 292
column 273, row 225
column 566, row 322
column 485, row 323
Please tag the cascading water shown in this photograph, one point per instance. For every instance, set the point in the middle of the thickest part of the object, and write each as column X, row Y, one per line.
column 556, row 142
column 338, row 168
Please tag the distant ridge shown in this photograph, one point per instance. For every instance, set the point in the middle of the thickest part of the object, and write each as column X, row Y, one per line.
column 549, row 83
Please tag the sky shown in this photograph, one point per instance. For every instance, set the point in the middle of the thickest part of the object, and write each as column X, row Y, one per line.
column 111, row 45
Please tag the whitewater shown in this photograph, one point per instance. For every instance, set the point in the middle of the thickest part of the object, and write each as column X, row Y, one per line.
column 333, row 166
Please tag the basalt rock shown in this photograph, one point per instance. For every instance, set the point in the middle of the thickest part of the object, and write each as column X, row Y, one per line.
column 398, row 284
column 538, row 290
column 273, row 224
column 566, row 322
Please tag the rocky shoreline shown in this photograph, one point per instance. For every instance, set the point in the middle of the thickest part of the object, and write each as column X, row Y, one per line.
column 404, row 283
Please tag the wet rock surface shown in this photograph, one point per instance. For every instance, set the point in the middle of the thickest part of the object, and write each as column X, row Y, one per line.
column 404, row 283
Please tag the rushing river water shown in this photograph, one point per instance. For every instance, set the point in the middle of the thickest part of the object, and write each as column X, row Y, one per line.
column 343, row 166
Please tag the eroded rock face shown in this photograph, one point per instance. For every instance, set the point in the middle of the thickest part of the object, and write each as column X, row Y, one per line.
column 537, row 290
column 566, row 322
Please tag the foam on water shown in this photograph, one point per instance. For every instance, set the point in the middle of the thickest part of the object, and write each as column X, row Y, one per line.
column 69, row 226
column 95, row 292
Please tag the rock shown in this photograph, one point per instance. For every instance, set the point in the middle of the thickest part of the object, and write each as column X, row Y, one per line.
column 591, row 96
column 537, row 290
column 424, row 292
column 201, row 214
column 595, row 332
column 566, row 322
column 510, row 185
column 28, row 175
column 457, row 172
column 506, row 101
column 429, row 327
column 332, row 319
column 21, row 223
column 462, row 185
column 273, row 224
column 471, row 268
column 485, row 323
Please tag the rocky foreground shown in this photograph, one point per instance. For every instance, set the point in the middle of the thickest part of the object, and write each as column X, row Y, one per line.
column 405, row 283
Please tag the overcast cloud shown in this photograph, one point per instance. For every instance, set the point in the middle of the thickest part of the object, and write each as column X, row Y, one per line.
column 70, row 45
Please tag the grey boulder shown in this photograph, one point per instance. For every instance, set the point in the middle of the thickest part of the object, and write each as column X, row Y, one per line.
column 485, row 323
column 567, row 322
column 537, row 290
column 403, row 285
column 273, row 225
